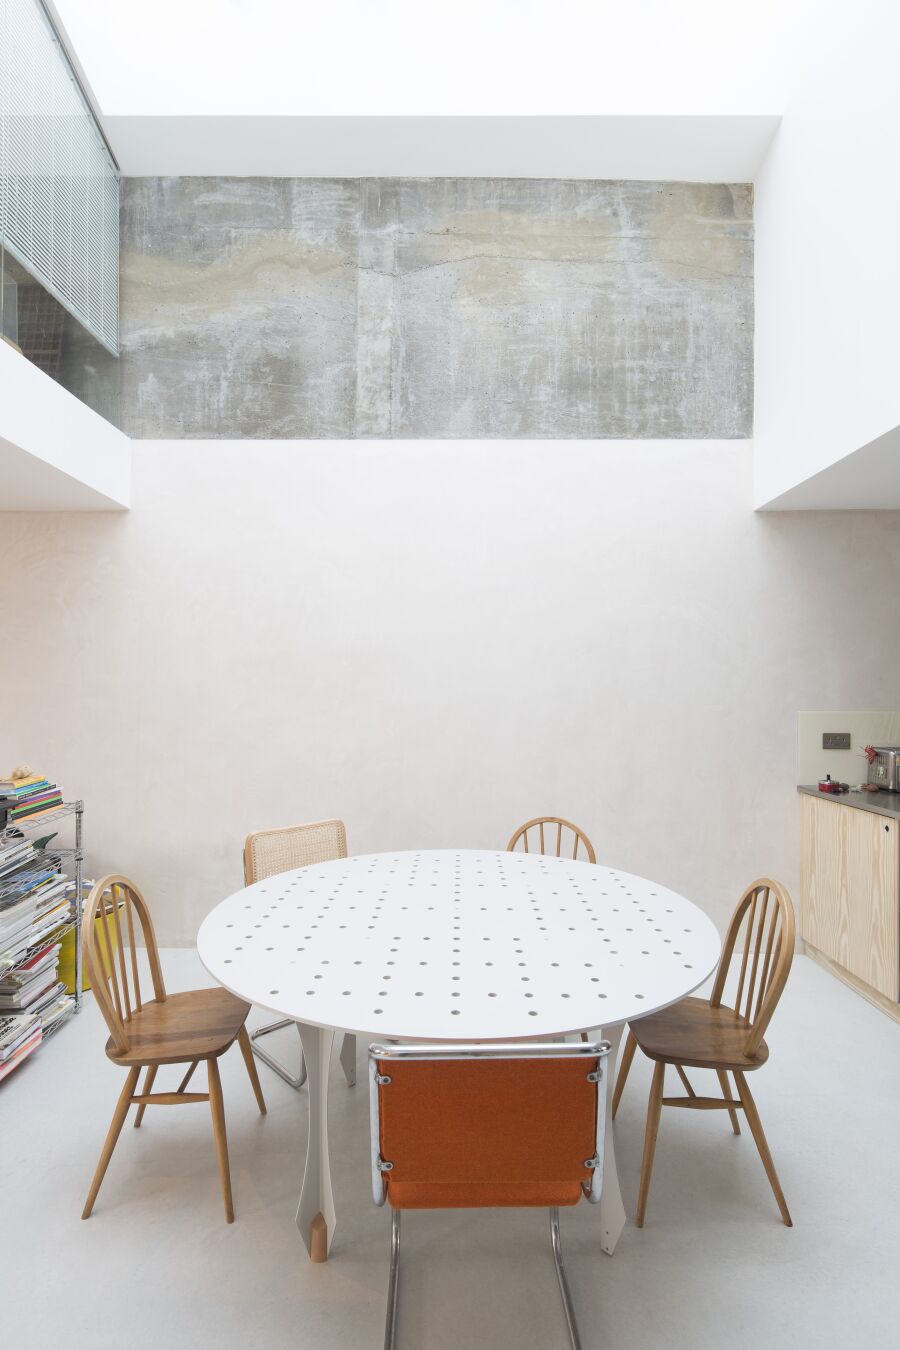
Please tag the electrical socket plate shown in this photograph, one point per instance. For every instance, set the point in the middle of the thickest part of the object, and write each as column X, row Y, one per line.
column 836, row 740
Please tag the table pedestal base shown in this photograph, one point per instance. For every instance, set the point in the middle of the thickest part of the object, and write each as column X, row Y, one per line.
column 612, row 1211
column 315, row 1214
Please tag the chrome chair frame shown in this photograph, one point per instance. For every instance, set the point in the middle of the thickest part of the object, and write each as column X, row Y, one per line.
column 347, row 1054
column 528, row 1050
column 292, row 1080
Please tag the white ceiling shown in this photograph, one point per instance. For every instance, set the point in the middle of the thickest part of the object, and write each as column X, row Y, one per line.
column 442, row 58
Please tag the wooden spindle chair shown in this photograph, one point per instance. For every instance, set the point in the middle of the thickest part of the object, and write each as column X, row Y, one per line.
column 545, row 827
column 164, row 1029
column 712, row 1035
column 266, row 854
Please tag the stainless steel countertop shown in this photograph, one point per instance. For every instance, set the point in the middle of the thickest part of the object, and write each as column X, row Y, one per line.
column 881, row 803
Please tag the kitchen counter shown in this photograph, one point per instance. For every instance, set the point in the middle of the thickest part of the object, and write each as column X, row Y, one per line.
column 850, row 889
column 881, row 803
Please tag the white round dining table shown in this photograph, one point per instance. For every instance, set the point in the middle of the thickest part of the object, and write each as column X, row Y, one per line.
column 454, row 944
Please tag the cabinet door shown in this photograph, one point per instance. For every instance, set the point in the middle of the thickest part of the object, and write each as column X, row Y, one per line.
column 849, row 893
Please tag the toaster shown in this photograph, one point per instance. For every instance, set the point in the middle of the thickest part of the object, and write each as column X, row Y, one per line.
column 885, row 767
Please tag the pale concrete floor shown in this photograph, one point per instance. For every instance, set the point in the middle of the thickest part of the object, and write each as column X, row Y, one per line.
column 156, row 1265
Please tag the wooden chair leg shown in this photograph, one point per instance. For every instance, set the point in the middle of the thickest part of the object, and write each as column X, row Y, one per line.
column 148, row 1084
column 722, row 1075
column 679, row 1068
column 217, row 1110
column 654, row 1110
column 112, row 1136
column 756, row 1130
column 247, row 1052
column 627, row 1057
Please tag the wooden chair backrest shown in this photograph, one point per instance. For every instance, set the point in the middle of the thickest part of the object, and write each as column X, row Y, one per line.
column 115, row 913
column 545, row 827
column 268, row 852
column 488, row 1132
column 764, row 928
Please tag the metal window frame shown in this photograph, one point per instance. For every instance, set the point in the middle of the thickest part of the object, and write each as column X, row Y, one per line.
column 449, row 1053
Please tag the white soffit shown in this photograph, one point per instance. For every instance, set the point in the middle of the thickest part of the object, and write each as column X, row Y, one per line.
column 866, row 480
column 711, row 149
column 56, row 454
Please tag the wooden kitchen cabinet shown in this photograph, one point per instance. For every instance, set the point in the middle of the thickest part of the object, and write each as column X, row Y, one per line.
column 850, row 894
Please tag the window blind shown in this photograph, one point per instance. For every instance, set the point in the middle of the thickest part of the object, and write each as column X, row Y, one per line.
column 59, row 187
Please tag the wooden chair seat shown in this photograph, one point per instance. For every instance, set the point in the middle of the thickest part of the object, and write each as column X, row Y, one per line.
column 200, row 1024
column 695, row 1035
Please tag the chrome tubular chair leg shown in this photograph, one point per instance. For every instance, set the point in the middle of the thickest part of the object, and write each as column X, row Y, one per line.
column 390, row 1322
column 563, row 1282
column 273, row 1063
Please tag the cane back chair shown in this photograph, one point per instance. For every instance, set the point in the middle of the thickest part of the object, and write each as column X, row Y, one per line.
column 701, row 1034
column 165, row 1029
column 266, row 853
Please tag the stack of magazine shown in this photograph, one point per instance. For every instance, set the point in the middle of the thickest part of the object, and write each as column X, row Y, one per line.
column 35, row 907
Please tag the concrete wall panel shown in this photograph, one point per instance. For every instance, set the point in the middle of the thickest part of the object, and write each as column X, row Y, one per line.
column 430, row 308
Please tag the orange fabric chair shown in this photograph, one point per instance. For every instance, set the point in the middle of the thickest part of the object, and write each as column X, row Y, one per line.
column 478, row 1126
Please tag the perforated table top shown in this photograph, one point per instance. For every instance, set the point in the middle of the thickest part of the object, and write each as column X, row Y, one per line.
column 458, row 945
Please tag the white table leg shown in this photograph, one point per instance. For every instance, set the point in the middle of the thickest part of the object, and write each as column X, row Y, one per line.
column 348, row 1058
column 612, row 1211
column 315, row 1213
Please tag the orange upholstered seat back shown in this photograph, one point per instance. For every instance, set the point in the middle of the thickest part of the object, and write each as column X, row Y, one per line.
column 487, row 1132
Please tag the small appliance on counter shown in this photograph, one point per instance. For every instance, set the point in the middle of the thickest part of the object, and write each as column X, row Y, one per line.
column 828, row 784
column 884, row 768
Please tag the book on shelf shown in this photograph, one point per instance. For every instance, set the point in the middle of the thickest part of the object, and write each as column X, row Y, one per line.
column 14, row 1030
column 28, row 795
column 24, row 784
column 53, row 1007
column 41, row 910
column 13, row 950
column 43, row 959
column 21, row 999
column 14, row 853
column 30, row 883
column 29, row 1045
column 38, row 806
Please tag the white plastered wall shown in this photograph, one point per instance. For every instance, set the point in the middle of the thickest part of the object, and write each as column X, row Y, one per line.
column 436, row 640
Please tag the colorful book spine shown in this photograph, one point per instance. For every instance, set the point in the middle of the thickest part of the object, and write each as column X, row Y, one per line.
column 34, row 805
